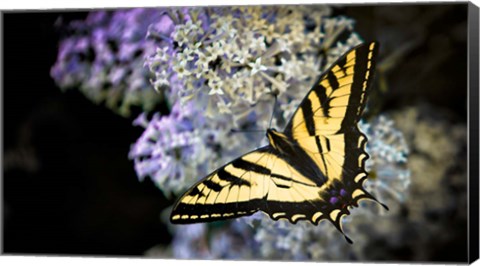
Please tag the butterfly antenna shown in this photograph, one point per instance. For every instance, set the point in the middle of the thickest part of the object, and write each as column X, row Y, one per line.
column 273, row 111
column 271, row 118
column 246, row 130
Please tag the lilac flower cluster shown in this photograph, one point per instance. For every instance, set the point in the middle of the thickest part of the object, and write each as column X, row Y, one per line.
column 225, row 63
column 239, row 56
column 103, row 57
column 169, row 148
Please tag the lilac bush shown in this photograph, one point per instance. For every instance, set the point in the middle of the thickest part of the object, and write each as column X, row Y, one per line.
column 217, row 69
column 228, row 62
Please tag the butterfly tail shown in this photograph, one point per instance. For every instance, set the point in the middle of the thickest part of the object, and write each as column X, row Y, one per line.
column 338, row 224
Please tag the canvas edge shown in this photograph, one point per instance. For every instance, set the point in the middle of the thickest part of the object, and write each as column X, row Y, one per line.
column 473, row 124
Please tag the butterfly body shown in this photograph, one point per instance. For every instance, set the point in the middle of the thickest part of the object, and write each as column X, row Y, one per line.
column 314, row 170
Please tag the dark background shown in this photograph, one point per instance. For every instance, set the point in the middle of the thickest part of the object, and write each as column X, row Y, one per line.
column 84, row 196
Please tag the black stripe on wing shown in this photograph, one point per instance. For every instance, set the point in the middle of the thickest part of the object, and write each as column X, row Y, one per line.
column 226, row 176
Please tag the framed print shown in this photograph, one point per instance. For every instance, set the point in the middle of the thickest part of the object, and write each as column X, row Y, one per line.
column 319, row 132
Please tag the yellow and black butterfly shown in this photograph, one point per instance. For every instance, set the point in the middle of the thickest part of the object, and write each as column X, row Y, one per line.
column 313, row 170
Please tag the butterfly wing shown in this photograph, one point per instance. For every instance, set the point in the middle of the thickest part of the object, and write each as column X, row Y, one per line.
column 325, row 124
column 259, row 180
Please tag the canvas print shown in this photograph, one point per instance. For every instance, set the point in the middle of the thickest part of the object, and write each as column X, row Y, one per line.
column 279, row 132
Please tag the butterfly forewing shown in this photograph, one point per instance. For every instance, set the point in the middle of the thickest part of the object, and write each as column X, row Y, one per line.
column 325, row 124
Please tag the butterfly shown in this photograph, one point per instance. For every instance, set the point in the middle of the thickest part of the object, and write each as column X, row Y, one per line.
column 313, row 170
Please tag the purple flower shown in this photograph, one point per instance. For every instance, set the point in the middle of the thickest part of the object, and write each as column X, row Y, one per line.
column 104, row 56
column 174, row 149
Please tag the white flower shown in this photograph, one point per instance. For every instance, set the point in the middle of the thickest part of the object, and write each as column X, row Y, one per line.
column 186, row 55
column 257, row 66
column 162, row 54
column 316, row 35
column 258, row 45
column 195, row 27
column 181, row 69
column 291, row 69
column 224, row 107
column 283, row 45
column 270, row 33
column 215, row 85
column 180, row 35
column 258, row 24
column 161, row 80
column 242, row 56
